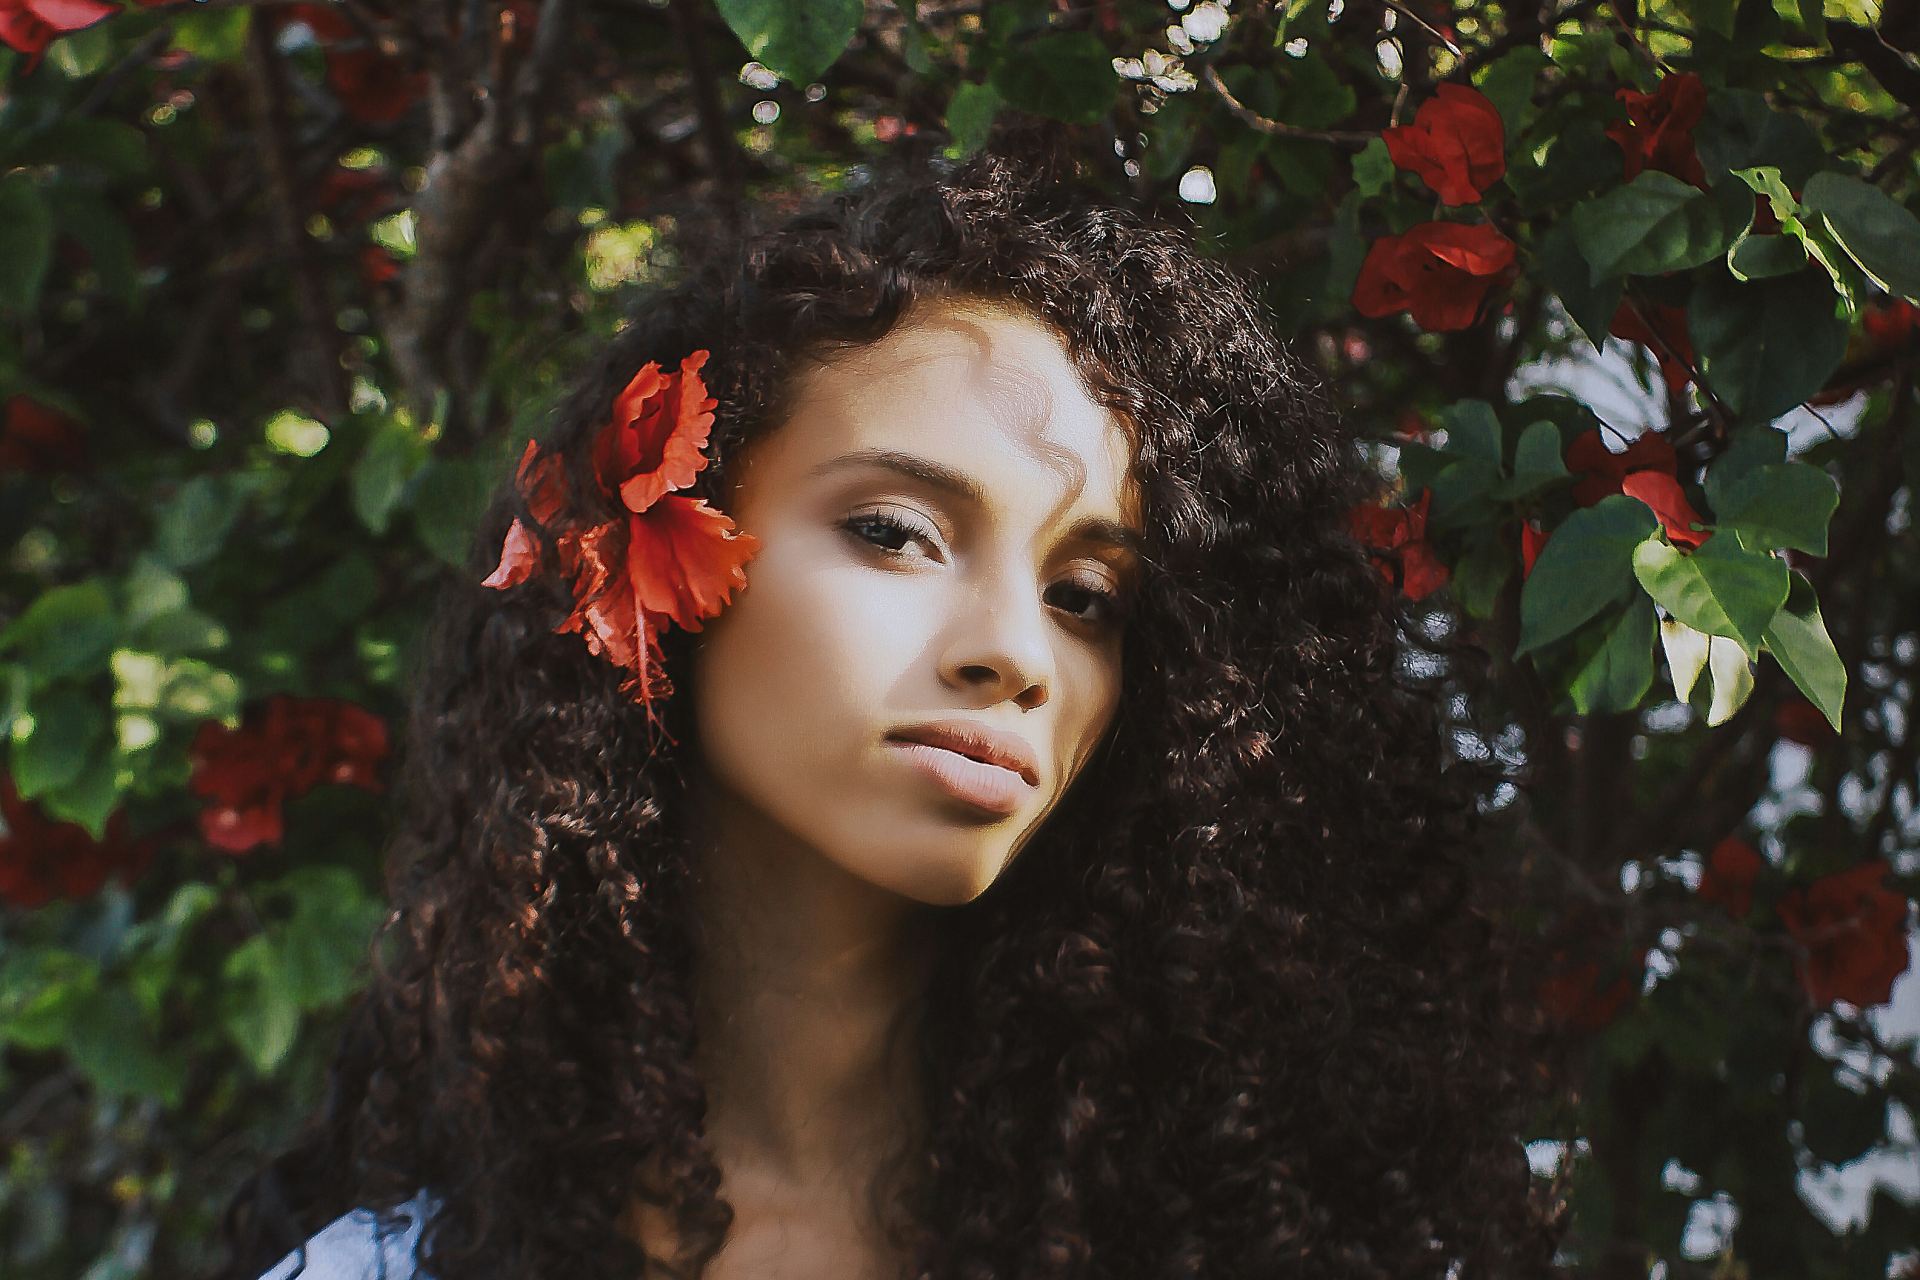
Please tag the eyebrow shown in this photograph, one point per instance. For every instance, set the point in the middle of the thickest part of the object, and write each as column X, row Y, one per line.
column 960, row 484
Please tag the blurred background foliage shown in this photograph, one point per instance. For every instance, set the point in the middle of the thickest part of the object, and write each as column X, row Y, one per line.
column 1623, row 292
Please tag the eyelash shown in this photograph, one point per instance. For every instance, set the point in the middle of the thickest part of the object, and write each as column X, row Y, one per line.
column 1111, row 601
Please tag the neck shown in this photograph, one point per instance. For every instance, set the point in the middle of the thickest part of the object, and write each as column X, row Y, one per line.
column 805, row 982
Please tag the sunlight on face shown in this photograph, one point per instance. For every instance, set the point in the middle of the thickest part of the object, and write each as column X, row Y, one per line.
column 1000, row 607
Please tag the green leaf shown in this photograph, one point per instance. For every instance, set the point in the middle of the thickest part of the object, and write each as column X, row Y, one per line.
column 66, row 630
column 448, row 499
column 1473, row 431
column 26, row 242
column 1767, row 345
column 1067, row 75
column 52, row 748
column 194, row 523
column 1537, row 463
column 1711, row 15
column 1480, row 573
column 1620, row 670
column 796, row 41
column 1653, row 225
column 1877, row 231
column 1740, row 130
column 90, row 798
column 913, row 42
column 1722, row 588
column 260, row 1014
column 40, row 989
column 100, row 229
column 970, row 114
column 1798, row 640
column 112, row 1043
column 1373, row 168
column 393, row 455
column 1779, row 504
column 1586, row 566
column 1590, row 302
column 1508, row 82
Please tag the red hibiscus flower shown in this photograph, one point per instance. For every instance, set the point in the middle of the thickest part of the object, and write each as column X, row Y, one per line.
column 1532, row 539
column 1663, row 493
column 1601, row 470
column 1400, row 533
column 1456, row 144
column 41, row 859
column 1728, row 877
column 31, row 25
column 1663, row 331
column 1854, row 933
column 666, row 558
column 1658, row 130
column 36, row 438
column 1438, row 271
column 283, row 748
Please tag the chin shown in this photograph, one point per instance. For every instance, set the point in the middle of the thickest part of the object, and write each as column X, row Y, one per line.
column 944, row 882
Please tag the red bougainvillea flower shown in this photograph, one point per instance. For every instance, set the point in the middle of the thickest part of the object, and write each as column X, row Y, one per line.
column 1578, row 993
column 1663, row 331
column 1438, row 271
column 374, row 86
column 1854, row 931
column 1400, row 533
column 36, row 438
column 1887, row 324
column 31, row 25
column 283, row 748
column 41, row 859
column 1600, row 469
column 1732, row 867
column 665, row 558
column 1456, row 143
column 1658, row 130
column 1798, row 720
column 1663, row 493
column 1532, row 538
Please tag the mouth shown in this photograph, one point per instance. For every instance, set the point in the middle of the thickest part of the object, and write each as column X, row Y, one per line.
column 983, row 785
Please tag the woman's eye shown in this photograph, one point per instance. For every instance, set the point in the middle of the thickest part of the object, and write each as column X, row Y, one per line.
column 880, row 529
column 892, row 528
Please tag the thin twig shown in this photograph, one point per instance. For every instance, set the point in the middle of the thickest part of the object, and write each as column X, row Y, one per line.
column 1255, row 121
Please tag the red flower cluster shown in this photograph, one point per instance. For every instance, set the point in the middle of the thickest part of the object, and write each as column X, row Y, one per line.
column 29, row 26
column 1658, row 130
column 1456, row 143
column 36, row 438
column 1646, row 471
column 665, row 558
column 41, row 859
column 1438, row 271
column 1400, row 532
column 1728, row 877
column 373, row 86
column 1854, row 932
column 1663, row 331
column 282, row 749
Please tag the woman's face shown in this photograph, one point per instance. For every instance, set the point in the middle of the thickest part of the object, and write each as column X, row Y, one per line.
column 998, row 605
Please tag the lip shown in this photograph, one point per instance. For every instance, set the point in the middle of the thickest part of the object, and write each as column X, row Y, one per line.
column 978, row 743
column 986, row 786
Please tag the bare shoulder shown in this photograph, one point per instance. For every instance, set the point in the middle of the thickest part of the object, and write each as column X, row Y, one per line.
column 355, row 1247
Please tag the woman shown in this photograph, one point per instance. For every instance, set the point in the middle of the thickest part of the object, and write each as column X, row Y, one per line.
column 711, row 955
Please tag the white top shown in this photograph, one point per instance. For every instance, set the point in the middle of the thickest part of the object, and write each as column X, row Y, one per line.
column 351, row 1247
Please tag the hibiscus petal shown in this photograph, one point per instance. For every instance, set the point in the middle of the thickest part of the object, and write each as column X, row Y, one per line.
column 519, row 557
column 1662, row 492
column 685, row 559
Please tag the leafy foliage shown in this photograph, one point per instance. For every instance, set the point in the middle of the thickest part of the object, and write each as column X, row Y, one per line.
column 284, row 288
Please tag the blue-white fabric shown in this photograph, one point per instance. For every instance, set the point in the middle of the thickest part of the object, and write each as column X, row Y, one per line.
column 352, row 1247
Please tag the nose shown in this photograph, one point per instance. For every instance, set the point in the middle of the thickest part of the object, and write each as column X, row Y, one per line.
column 999, row 638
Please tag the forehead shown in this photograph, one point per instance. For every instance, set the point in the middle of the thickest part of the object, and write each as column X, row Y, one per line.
column 982, row 389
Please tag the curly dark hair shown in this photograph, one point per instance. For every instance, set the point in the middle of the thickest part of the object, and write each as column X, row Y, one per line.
column 1243, row 1007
